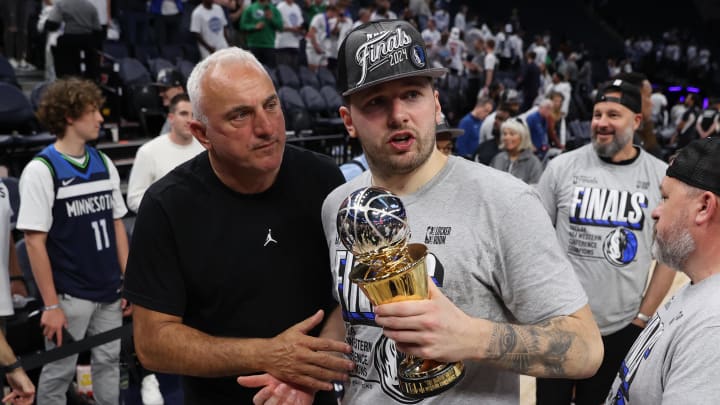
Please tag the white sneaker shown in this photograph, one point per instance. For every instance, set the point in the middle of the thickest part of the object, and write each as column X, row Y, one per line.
column 150, row 391
column 13, row 63
column 23, row 65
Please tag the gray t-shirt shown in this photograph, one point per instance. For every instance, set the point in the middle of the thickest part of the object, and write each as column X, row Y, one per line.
column 675, row 359
column 79, row 16
column 602, row 214
column 498, row 259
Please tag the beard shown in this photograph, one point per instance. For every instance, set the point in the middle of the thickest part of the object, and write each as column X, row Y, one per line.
column 674, row 247
column 386, row 165
column 620, row 140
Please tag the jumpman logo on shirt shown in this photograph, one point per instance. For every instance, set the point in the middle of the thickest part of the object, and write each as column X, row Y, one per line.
column 269, row 238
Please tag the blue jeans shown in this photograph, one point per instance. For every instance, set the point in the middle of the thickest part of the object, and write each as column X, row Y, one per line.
column 91, row 318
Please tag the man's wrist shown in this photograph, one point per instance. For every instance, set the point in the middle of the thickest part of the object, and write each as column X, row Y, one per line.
column 50, row 307
column 12, row 367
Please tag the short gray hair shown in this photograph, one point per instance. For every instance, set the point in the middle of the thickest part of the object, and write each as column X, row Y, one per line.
column 517, row 125
column 221, row 57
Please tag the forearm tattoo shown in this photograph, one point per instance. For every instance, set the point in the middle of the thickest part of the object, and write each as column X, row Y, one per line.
column 540, row 348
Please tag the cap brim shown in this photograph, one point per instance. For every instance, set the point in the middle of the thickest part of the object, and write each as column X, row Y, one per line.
column 454, row 132
column 432, row 72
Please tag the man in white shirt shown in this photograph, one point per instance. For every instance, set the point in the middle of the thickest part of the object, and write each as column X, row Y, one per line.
column 287, row 41
column 208, row 23
column 165, row 152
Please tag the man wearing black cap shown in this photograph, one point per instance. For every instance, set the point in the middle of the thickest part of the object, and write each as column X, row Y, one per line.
column 675, row 359
column 170, row 83
column 509, row 301
column 445, row 136
column 600, row 197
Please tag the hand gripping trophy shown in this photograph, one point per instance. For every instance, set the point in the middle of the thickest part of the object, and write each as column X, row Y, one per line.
column 372, row 224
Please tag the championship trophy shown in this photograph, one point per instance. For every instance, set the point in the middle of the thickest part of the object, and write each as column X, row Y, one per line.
column 372, row 224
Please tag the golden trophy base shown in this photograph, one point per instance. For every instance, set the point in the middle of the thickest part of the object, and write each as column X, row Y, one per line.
column 417, row 381
column 404, row 279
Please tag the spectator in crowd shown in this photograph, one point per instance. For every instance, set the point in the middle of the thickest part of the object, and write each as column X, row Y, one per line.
column 445, row 136
column 71, row 212
column 314, row 8
column 134, row 21
column 675, row 358
column 209, row 25
column 539, row 123
column 363, row 17
column 516, row 155
column 287, row 41
column 382, row 11
column 460, row 20
column 685, row 129
column 489, row 64
column 420, row 10
column 599, row 197
column 198, row 294
column 354, row 167
column 431, row 35
column 166, row 20
column 547, row 304
column 12, row 281
column 529, row 81
column 317, row 38
column 260, row 21
column 340, row 26
column 104, row 14
column 170, row 83
column 560, row 85
column 645, row 135
column 467, row 144
column 708, row 121
column 490, row 134
column 15, row 16
column 160, row 155
column 22, row 389
column 81, row 32
column 659, row 107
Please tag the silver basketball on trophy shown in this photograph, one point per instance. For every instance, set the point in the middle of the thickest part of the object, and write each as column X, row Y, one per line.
column 371, row 220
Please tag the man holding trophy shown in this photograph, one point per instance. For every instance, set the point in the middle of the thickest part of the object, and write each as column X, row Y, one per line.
column 501, row 299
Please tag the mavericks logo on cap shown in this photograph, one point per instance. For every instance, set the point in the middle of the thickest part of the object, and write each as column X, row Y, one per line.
column 385, row 47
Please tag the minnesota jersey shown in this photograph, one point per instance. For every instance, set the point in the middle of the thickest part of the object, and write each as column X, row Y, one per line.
column 81, row 241
column 602, row 216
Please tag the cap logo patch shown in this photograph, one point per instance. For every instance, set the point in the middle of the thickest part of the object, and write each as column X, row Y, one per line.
column 383, row 47
column 418, row 56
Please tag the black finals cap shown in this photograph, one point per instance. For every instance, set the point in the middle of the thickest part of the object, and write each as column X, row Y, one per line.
column 381, row 51
column 169, row 77
column 629, row 94
column 698, row 164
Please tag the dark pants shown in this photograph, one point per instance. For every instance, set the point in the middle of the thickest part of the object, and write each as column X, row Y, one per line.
column 76, row 55
column 15, row 14
column 593, row 390
column 166, row 28
column 135, row 27
column 266, row 56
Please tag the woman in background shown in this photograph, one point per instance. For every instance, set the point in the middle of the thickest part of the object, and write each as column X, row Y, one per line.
column 516, row 155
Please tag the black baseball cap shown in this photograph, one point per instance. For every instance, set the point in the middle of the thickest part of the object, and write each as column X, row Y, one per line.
column 629, row 94
column 443, row 128
column 381, row 51
column 698, row 164
column 169, row 77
